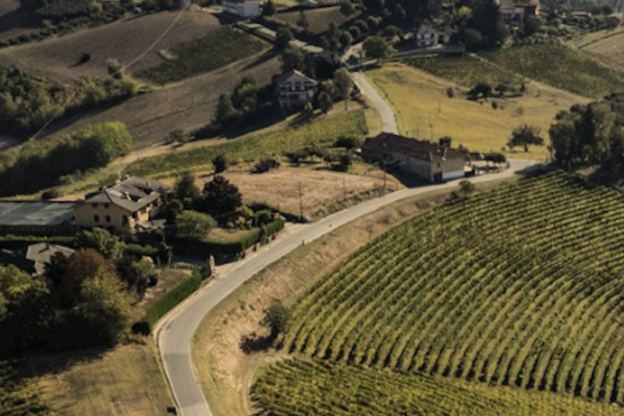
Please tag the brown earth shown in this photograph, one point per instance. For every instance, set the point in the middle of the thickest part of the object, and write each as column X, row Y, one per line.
column 187, row 106
column 132, row 40
column 14, row 21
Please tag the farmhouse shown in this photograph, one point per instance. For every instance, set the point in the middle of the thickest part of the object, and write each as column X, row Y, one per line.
column 429, row 161
column 427, row 36
column 248, row 9
column 36, row 218
column 295, row 90
column 520, row 10
column 129, row 206
column 34, row 258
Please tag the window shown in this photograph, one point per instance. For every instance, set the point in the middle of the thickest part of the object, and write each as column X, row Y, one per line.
column 107, row 206
column 94, row 205
column 438, row 164
column 96, row 218
column 108, row 218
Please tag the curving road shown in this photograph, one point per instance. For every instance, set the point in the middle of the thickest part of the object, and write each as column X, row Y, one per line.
column 176, row 331
column 388, row 120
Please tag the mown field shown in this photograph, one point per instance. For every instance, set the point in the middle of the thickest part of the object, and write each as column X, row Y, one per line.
column 562, row 67
column 139, row 41
column 297, row 388
column 424, row 110
column 319, row 19
column 215, row 50
column 519, row 287
column 250, row 148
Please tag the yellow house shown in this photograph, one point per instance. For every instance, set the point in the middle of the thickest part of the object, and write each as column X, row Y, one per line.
column 127, row 206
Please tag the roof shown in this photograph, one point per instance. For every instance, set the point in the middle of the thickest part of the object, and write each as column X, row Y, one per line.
column 132, row 194
column 294, row 76
column 426, row 29
column 40, row 213
column 388, row 142
column 241, row 1
column 41, row 253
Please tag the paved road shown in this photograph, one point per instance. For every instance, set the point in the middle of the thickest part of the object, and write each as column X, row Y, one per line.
column 389, row 124
column 176, row 333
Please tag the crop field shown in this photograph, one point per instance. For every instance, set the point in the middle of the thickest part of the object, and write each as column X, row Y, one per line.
column 424, row 110
column 519, row 286
column 126, row 41
column 467, row 71
column 562, row 67
column 297, row 388
column 250, row 148
column 319, row 19
column 215, row 50
column 608, row 50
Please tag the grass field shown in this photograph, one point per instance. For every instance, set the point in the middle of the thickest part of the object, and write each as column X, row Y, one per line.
column 420, row 101
column 320, row 132
column 298, row 388
column 124, row 381
column 517, row 287
column 607, row 49
column 562, row 67
column 319, row 19
column 218, row 48
column 18, row 397
column 133, row 41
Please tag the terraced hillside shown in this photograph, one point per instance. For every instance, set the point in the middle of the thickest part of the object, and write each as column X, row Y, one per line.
column 297, row 388
column 521, row 286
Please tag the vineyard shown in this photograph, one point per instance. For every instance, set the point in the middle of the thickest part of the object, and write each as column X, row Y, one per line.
column 467, row 71
column 297, row 388
column 561, row 67
column 520, row 286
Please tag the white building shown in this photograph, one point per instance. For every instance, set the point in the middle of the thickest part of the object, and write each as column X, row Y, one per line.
column 295, row 90
column 248, row 9
column 427, row 36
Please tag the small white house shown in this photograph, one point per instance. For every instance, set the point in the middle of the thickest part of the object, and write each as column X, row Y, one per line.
column 248, row 9
column 427, row 36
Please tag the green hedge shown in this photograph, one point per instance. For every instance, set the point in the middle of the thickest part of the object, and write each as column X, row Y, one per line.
column 206, row 248
column 169, row 301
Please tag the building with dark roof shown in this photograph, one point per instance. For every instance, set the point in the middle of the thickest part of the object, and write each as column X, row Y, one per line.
column 429, row 161
column 130, row 205
column 34, row 258
column 295, row 90
column 36, row 218
column 248, row 9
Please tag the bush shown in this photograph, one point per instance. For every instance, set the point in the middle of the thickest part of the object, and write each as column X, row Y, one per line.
column 348, row 142
column 169, row 301
column 266, row 165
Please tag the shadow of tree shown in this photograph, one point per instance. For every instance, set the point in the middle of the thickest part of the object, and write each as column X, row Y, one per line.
column 254, row 343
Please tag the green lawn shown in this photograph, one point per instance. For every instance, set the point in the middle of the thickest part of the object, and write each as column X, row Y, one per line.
column 215, row 50
column 319, row 132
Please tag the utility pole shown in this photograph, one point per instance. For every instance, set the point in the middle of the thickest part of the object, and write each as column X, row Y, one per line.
column 385, row 176
column 344, row 190
column 300, row 203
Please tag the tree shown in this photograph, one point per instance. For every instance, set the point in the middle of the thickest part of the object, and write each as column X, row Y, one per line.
column 269, row 8
column 83, row 265
column 193, row 225
column 376, row 47
column 345, row 161
column 185, row 187
column 347, row 8
column 472, row 39
column 344, row 85
column 220, row 163
column 106, row 308
column 225, row 113
column 103, row 241
column 526, row 136
column 283, row 38
column 221, row 197
column 138, row 274
column 277, row 319
column 346, row 40
column 325, row 102
column 466, row 188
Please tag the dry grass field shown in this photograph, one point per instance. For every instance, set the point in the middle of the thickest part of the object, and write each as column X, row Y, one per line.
column 607, row 49
column 421, row 104
column 125, row 381
column 318, row 19
column 189, row 105
column 124, row 40
column 14, row 22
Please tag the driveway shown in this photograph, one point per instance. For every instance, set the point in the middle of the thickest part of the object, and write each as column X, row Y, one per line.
column 389, row 124
column 175, row 335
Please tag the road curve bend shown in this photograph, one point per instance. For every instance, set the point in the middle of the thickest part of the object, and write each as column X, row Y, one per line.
column 175, row 334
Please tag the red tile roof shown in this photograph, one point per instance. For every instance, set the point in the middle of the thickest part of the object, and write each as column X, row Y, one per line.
column 388, row 142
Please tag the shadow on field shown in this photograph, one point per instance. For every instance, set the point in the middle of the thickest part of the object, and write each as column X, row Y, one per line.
column 253, row 343
column 261, row 59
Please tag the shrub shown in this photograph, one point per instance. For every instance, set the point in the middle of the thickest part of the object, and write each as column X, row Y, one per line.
column 169, row 301
column 266, row 165
column 348, row 142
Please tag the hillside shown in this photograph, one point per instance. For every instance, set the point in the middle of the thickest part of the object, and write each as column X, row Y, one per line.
column 515, row 287
column 138, row 40
column 15, row 21
column 607, row 49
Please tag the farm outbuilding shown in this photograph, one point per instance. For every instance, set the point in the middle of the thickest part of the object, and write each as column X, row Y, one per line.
column 429, row 161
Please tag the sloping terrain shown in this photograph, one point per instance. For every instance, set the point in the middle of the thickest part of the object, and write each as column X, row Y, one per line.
column 139, row 39
column 14, row 21
column 608, row 50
